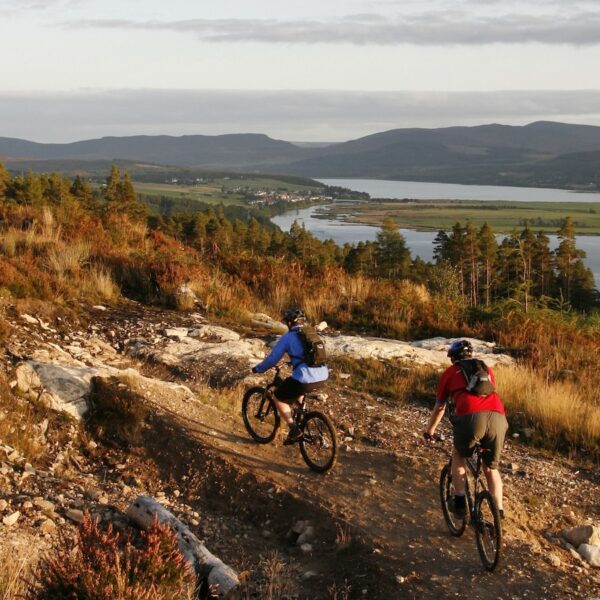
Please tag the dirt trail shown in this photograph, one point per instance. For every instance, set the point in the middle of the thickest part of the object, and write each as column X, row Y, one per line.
column 389, row 499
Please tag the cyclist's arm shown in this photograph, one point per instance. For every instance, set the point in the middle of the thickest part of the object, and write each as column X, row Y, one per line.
column 436, row 416
column 280, row 349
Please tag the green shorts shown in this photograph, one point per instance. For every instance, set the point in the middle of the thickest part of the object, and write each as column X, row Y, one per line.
column 486, row 427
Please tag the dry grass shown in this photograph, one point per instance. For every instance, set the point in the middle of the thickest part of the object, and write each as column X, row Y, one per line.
column 98, row 282
column 15, row 570
column 68, row 258
column 273, row 581
column 389, row 379
column 558, row 411
column 227, row 400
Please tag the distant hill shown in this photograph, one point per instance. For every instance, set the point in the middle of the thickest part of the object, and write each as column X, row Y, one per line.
column 542, row 153
column 236, row 150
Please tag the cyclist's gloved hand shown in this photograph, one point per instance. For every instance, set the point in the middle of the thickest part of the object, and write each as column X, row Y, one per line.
column 254, row 370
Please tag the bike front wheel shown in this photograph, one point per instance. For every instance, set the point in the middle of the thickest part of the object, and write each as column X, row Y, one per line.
column 488, row 530
column 455, row 526
column 318, row 445
column 260, row 415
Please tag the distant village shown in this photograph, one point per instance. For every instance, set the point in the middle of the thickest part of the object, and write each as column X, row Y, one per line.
column 269, row 197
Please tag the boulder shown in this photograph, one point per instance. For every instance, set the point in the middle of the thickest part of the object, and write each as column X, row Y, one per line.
column 591, row 553
column 66, row 386
column 213, row 333
column 588, row 534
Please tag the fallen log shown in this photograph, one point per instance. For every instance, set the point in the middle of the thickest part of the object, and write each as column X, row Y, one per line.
column 221, row 579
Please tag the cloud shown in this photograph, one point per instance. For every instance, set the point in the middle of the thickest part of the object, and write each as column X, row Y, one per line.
column 290, row 115
column 14, row 7
column 433, row 29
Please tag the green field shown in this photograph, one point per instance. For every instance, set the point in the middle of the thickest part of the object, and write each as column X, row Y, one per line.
column 227, row 191
column 502, row 216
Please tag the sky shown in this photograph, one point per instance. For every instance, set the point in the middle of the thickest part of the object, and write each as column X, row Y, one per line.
column 309, row 70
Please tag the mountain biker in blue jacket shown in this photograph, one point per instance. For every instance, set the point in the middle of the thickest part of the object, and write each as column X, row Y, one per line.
column 304, row 379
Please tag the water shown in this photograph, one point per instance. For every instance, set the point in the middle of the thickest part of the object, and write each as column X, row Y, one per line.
column 419, row 242
column 419, row 190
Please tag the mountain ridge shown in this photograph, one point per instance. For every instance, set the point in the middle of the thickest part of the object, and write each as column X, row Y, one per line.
column 489, row 153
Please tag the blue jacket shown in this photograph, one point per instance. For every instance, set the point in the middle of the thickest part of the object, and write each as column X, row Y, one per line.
column 292, row 345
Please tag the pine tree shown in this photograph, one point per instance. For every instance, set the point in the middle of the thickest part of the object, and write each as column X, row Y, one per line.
column 391, row 254
column 4, row 181
column 527, row 248
column 543, row 266
column 488, row 248
column 456, row 252
column 82, row 191
column 32, row 187
column 441, row 247
column 471, row 240
column 567, row 255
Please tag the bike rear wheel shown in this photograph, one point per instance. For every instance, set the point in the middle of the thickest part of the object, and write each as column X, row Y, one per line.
column 318, row 445
column 488, row 530
column 455, row 526
column 260, row 415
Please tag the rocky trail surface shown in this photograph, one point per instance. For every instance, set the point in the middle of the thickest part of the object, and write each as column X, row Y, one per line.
column 371, row 528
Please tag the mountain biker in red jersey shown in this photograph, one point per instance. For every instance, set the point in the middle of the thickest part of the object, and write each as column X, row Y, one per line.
column 477, row 419
column 304, row 379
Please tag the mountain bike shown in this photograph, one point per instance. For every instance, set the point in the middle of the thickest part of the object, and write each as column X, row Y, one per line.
column 318, row 444
column 483, row 513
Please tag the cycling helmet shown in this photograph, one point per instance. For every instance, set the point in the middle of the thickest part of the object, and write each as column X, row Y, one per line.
column 460, row 349
column 293, row 316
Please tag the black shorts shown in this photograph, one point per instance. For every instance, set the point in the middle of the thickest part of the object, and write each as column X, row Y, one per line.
column 291, row 389
column 486, row 427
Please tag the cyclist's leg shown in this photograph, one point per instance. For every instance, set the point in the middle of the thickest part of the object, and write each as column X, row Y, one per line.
column 458, row 473
column 494, row 482
column 283, row 408
column 284, row 396
column 493, row 441
column 464, row 441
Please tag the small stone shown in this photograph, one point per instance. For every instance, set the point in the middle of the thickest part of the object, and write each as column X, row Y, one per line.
column 306, row 535
column 400, row 578
column 306, row 548
column 103, row 500
column 48, row 526
column 299, row 527
column 266, row 533
column 3, row 505
column 516, row 436
column 554, row 560
column 10, row 520
column 92, row 495
column 75, row 515
column 92, row 445
column 176, row 493
column 309, row 575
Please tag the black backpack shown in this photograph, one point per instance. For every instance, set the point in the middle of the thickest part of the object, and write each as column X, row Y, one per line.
column 314, row 347
column 477, row 377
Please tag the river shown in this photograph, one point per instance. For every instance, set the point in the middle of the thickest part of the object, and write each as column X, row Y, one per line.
column 419, row 190
column 419, row 242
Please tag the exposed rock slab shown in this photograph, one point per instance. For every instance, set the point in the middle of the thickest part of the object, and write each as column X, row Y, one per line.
column 423, row 352
column 64, row 383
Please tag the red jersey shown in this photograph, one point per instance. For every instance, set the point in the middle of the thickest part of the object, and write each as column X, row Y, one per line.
column 452, row 386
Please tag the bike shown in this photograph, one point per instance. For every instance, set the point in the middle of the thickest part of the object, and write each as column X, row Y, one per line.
column 483, row 513
column 318, row 444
